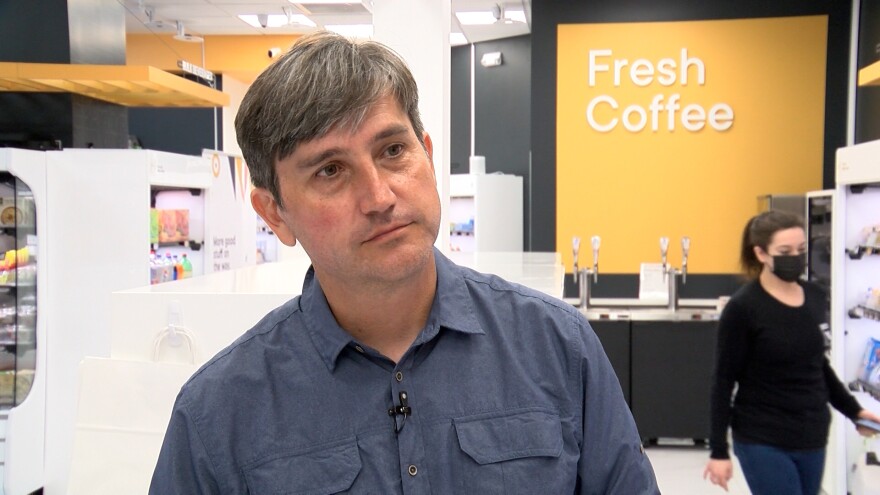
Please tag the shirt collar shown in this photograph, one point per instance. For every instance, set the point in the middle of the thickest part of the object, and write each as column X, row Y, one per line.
column 452, row 309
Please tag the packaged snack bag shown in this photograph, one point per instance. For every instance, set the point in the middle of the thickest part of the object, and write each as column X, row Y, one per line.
column 871, row 363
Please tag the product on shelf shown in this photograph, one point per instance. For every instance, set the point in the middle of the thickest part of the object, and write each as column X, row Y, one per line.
column 14, row 267
column 187, row 267
column 173, row 225
column 15, row 385
column 16, row 211
column 870, row 370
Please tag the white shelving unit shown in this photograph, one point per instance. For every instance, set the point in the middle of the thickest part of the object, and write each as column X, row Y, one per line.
column 485, row 212
column 857, row 206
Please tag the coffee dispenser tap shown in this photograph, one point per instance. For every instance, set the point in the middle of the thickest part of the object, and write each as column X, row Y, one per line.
column 596, row 241
column 664, row 249
column 685, row 249
column 586, row 277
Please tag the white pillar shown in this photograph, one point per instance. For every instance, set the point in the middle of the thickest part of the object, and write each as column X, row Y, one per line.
column 419, row 31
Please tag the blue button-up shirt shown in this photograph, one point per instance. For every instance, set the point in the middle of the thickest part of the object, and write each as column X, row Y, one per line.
column 509, row 392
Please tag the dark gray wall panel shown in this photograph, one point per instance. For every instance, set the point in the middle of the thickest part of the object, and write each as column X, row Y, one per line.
column 460, row 109
column 502, row 111
column 34, row 31
column 27, row 120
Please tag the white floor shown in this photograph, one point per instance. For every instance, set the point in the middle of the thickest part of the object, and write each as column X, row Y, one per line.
column 679, row 471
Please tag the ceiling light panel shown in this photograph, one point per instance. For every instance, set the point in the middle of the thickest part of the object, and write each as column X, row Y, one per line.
column 456, row 39
column 475, row 18
column 277, row 20
column 515, row 15
column 331, row 7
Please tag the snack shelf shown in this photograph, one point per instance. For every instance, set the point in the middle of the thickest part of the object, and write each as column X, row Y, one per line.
column 862, row 311
column 863, row 250
column 872, row 390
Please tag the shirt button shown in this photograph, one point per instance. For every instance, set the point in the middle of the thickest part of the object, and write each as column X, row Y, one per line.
column 399, row 376
column 359, row 349
column 413, row 470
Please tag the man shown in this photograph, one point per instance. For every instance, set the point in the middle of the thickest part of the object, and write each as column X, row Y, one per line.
column 396, row 371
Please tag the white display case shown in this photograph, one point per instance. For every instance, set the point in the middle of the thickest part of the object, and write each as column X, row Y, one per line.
column 219, row 307
column 22, row 417
column 485, row 212
column 855, row 270
column 91, row 238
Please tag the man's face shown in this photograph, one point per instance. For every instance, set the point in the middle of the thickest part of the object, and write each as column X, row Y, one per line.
column 362, row 202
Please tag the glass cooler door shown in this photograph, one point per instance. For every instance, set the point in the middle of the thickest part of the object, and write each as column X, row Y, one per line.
column 18, row 294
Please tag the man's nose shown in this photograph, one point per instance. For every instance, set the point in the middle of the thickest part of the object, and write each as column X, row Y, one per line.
column 376, row 194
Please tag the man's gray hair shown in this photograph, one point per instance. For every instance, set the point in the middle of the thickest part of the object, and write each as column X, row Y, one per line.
column 325, row 81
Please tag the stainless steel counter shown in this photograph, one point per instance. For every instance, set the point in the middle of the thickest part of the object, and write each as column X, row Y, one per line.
column 636, row 310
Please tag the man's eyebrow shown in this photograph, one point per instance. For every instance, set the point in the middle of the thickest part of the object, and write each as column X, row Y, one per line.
column 320, row 157
column 390, row 131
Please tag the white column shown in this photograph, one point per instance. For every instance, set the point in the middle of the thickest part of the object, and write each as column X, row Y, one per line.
column 419, row 31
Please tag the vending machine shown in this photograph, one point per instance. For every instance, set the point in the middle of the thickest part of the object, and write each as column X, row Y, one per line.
column 22, row 286
column 75, row 225
column 855, row 307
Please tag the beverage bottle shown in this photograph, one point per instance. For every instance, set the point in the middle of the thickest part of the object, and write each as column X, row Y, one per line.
column 154, row 269
column 187, row 267
column 177, row 267
column 167, row 268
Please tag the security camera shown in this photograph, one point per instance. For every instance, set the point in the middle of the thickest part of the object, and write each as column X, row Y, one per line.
column 263, row 19
column 273, row 52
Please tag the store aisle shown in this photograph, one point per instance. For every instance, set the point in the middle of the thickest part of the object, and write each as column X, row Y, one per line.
column 679, row 471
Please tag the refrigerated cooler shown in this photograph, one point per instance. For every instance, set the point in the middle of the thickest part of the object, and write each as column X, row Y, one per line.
column 854, row 304
column 79, row 227
column 22, row 285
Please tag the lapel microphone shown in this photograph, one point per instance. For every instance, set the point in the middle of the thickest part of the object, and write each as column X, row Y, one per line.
column 402, row 410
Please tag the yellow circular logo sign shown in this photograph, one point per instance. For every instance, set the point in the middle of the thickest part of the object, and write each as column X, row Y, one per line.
column 215, row 165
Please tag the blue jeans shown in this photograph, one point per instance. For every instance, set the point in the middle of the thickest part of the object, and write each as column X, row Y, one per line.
column 773, row 471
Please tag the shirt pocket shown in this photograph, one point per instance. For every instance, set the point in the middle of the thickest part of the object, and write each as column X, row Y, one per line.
column 511, row 452
column 323, row 470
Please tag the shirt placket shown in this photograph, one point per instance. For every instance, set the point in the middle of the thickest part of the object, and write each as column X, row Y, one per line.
column 410, row 443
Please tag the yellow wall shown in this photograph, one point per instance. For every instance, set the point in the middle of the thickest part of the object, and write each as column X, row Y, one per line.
column 240, row 56
column 630, row 188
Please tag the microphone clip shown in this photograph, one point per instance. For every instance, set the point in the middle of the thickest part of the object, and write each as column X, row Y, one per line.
column 401, row 410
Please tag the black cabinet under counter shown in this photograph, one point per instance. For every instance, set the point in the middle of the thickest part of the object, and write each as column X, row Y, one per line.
column 672, row 366
column 615, row 338
column 665, row 370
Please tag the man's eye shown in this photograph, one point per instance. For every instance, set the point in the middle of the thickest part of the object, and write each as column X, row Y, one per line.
column 328, row 170
column 395, row 149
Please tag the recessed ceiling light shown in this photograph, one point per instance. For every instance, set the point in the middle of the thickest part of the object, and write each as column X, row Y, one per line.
column 475, row 18
column 322, row 1
column 351, row 30
column 515, row 15
column 277, row 20
column 456, row 39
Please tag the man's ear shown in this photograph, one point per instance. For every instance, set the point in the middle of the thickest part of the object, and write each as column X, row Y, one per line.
column 269, row 209
column 429, row 150
column 429, row 147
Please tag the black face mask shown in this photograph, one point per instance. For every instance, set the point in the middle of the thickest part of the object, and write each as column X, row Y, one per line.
column 789, row 267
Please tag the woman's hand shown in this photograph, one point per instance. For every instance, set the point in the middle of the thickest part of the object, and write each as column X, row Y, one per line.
column 866, row 414
column 719, row 472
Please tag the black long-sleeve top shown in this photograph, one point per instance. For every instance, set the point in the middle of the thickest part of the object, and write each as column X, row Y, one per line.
column 774, row 354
